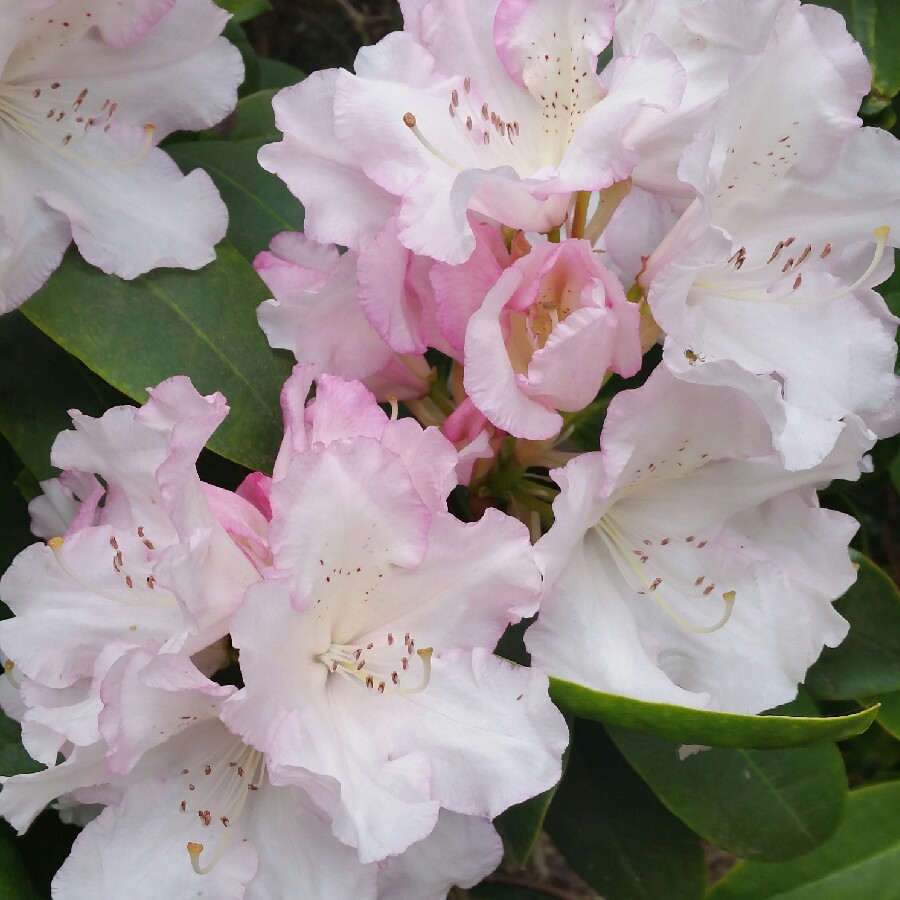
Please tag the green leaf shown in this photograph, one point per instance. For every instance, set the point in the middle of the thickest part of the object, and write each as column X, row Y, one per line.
column 868, row 660
column 862, row 859
column 889, row 713
column 521, row 824
column 15, row 535
column 13, row 758
column 696, row 726
column 259, row 204
column 39, row 383
column 615, row 834
column 273, row 73
column 14, row 881
column 758, row 804
column 202, row 324
column 244, row 10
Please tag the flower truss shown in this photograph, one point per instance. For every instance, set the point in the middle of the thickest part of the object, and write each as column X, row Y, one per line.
column 527, row 221
column 86, row 92
column 543, row 227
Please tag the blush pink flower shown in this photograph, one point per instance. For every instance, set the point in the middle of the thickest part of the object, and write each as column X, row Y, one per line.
column 86, row 91
column 366, row 650
column 491, row 108
column 548, row 332
column 686, row 565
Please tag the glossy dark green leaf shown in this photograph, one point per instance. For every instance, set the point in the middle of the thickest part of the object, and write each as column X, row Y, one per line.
column 273, row 73
column 861, row 860
column 868, row 660
column 757, row 804
column 14, row 881
column 244, row 10
column 889, row 713
column 613, row 831
column 521, row 824
column 135, row 334
column 696, row 726
column 13, row 758
column 259, row 204
column 39, row 383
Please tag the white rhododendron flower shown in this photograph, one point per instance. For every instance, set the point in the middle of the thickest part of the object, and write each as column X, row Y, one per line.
column 686, row 565
column 492, row 107
column 366, row 650
column 86, row 92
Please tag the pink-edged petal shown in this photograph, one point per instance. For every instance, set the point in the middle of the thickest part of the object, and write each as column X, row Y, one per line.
column 473, row 581
column 294, row 263
column 33, row 240
column 150, row 698
column 387, row 295
column 461, row 851
column 342, row 205
column 459, row 290
column 384, row 804
column 24, row 796
column 316, row 315
column 346, row 505
column 492, row 718
column 489, row 377
column 652, row 78
column 178, row 74
column 132, row 218
column 343, row 409
column 569, row 369
column 53, row 510
column 430, row 459
column 70, row 604
column 298, row 854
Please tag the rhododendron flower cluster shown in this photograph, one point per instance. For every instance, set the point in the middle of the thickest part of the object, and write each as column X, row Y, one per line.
column 656, row 223
column 544, row 225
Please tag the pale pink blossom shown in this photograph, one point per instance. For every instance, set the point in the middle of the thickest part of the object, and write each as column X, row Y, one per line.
column 771, row 266
column 686, row 565
column 319, row 313
column 551, row 328
column 365, row 650
column 86, row 91
column 493, row 108
column 144, row 560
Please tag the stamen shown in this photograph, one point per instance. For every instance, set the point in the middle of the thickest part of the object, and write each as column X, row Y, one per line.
column 652, row 584
column 395, row 410
column 881, row 236
column 410, row 121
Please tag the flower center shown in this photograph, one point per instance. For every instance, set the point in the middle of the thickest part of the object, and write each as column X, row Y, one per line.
column 393, row 665
column 215, row 794
column 656, row 567
column 55, row 117
column 755, row 284
column 136, row 575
